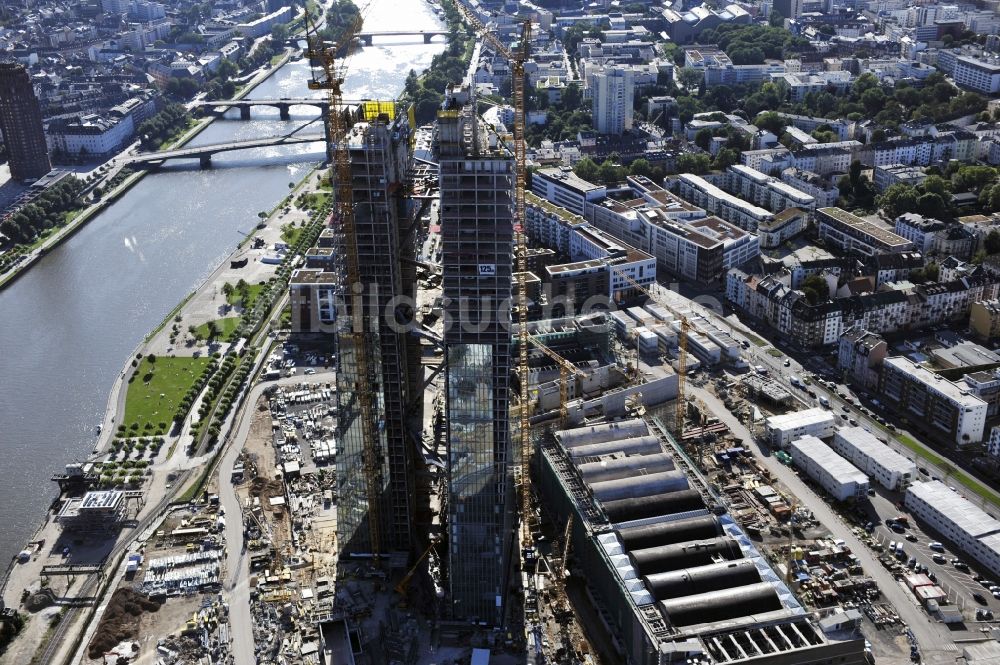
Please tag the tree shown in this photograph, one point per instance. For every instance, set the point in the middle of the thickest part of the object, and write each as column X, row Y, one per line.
column 692, row 163
column 227, row 290
column 726, row 158
column 772, row 122
column 641, row 167
column 611, row 172
column 898, row 199
column 932, row 205
column 690, row 78
column 935, row 184
column 992, row 242
column 973, row 178
column 815, row 289
column 279, row 32
column 776, row 20
column 703, row 138
column 587, row 169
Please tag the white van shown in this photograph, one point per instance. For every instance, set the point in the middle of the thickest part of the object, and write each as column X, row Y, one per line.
column 824, row 402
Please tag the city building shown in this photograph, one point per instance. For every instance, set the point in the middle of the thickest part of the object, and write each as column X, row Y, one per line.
column 883, row 464
column 21, row 124
column 717, row 201
column 860, row 355
column 978, row 74
column 477, row 198
column 931, row 236
column 783, row 226
column 884, row 177
column 841, row 479
column 813, row 184
column 957, row 519
column 701, row 250
column 946, row 408
column 763, row 190
column 788, row 8
column 612, row 92
column 95, row 513
column 378, row 145
column 781, row 430
column 674, row 576
column 89, row 137
column 984, row 319
column 312, row 297
column 564, row 188
column 851, row 234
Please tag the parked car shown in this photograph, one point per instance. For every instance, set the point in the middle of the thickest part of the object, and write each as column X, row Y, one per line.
column 979, row 598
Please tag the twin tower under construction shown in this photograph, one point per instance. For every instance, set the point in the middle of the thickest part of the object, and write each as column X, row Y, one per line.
column 476, row 184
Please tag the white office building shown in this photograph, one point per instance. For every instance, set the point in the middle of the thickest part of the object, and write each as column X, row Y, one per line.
column 835, row 474
column 957, row 519
column 783, row 429
column 883, row 464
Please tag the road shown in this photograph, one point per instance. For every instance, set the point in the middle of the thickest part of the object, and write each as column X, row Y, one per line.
column 240, row 620
column 758, row 356
column 931, row 636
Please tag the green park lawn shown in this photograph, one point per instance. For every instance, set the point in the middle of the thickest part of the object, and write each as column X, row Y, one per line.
column 227, row 327
column 156, row 390
column 236, row 300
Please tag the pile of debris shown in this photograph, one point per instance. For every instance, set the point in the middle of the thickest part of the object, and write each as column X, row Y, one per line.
column 120, row 622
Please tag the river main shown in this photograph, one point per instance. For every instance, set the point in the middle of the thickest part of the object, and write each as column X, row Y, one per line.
column 68, row 325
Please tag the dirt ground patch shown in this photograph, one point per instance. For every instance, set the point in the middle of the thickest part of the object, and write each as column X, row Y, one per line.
column 120, row 621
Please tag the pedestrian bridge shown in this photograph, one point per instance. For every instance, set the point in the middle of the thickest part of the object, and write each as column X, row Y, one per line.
column 203, row 153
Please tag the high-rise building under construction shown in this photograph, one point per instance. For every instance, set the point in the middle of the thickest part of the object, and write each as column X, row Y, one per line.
column 379, row 148
column 477, row 182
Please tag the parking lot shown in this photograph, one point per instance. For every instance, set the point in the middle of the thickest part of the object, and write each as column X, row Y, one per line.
column 959, row 584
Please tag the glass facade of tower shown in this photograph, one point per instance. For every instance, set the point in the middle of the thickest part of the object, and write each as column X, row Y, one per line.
column 477, row 200
column 379, row 150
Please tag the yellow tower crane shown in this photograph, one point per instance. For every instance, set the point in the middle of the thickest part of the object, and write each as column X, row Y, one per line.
column 333, row 70
column 517, row 60
column 565, row 369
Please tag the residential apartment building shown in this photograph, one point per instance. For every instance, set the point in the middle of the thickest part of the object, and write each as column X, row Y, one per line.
column 763, row 190
column 813, row 184
column 783, row 226
column 885, row 176
column 860, row 355
column 612, row 91
column 934, row 237
column 378, row 145
column 477, row 201
column 717, row 201
column 851, row 234
column 984, row 319
column 312, row 294
column 564, row 188
column 946, row 408
column 21, row 124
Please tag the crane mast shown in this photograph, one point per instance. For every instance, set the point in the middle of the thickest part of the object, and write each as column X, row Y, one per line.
column 325, row 56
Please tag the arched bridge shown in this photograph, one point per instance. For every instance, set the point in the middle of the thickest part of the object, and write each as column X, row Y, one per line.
column 244, row 105
column 203, row 153
column 368, row 37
